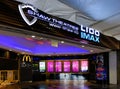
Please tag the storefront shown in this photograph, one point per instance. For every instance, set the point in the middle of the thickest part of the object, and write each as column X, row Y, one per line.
column 33, row 64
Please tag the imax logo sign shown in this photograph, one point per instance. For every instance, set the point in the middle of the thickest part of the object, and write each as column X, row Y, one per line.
column 89, row 34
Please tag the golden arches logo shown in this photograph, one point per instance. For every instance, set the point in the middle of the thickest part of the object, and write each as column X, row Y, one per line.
column 26, row 58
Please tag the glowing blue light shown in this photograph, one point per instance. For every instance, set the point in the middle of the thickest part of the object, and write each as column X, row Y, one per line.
column 22, row 44
column 90, row 37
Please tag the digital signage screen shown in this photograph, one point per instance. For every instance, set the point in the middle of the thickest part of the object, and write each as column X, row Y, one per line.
column 101, row 73
column 75, row 66
column 84, row 65
column 50, row 66
column 66, row 66
column 42, row 67
column 58, row 66
column 35, row 67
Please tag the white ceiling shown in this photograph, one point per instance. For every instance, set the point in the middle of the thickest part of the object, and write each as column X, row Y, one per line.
column 103, row 15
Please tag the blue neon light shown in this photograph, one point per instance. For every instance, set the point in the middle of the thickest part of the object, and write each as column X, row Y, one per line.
column 23, row 45
column 89, row 37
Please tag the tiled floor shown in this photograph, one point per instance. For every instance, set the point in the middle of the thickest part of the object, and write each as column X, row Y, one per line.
column 59, row 84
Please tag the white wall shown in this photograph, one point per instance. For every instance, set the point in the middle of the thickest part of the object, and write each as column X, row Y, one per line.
column 113, row 67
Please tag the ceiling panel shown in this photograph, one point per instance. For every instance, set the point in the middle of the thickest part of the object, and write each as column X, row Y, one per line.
column 114, row 32
column 96, row 9
column 117, row 37
column 107, row 23
column 37, row 3
column 84, row 21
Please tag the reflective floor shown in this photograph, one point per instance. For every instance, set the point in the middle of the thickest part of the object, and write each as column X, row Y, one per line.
column 60, row 84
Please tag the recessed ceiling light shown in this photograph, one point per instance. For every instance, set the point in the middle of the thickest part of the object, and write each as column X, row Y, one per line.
column 91, row 50
column 49, row 55
column 10, row 50
column 23, row 53
column 83, row 46
column 62, row 42
column 33, row 36
column 41, row 38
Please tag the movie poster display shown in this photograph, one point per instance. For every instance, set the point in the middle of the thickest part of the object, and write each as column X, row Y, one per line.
column 101, row 73
column 58, row 66
column 84, row 65
column 42, row 67
column 75, row 66
column 66, row 66
column 50, row 66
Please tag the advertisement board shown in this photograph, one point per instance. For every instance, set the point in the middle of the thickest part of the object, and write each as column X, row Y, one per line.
column 84, row 65
column 75, row 66
column 50, row 66
column 66, row 66
column 58, row 66
column 42, row 67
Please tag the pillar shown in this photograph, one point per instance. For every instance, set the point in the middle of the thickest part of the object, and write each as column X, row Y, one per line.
column 113, row 67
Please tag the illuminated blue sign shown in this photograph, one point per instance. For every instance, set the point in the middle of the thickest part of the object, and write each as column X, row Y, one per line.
column 57, row 23
column 89, row 34
column 52, row 21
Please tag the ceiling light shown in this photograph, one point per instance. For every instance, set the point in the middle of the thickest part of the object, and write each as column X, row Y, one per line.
column 10, row 50
column 33, row 36
column 41, row 38
column 62, row 42
column 23, row 53
column 49, row 55
column 91, row 50
column 83, row 46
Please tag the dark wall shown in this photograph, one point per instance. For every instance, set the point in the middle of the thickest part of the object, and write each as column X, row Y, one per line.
column 8, row 60
column 94, row 65
column 25, row 74
column 106, row 65
column 118, row 67
column 25, row 69
column 8, row 64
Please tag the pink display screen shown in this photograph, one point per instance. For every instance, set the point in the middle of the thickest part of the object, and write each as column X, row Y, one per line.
column 50, row 66
column 75, row 66
column 84, row 65
column 58, row 66
column 66, row 66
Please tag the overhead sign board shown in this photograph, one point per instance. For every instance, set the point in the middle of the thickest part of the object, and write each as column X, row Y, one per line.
column 89, row 34
column 31, row 15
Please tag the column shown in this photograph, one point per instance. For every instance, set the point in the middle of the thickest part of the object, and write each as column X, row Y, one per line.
column 113, row 67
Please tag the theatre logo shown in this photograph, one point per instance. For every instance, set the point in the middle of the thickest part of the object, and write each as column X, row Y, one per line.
column 89, row 34
column 25, row 6
column 28, row 11
column 30, row 14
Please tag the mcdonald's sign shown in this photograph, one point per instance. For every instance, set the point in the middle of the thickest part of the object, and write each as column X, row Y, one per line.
column 26, row 58
column 26, row 61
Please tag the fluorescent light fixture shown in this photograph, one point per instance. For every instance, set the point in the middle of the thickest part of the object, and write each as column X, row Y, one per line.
column 10, row 50
column 62, row 42
column 91, row 50
column 33, row 36
column 83, row 46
